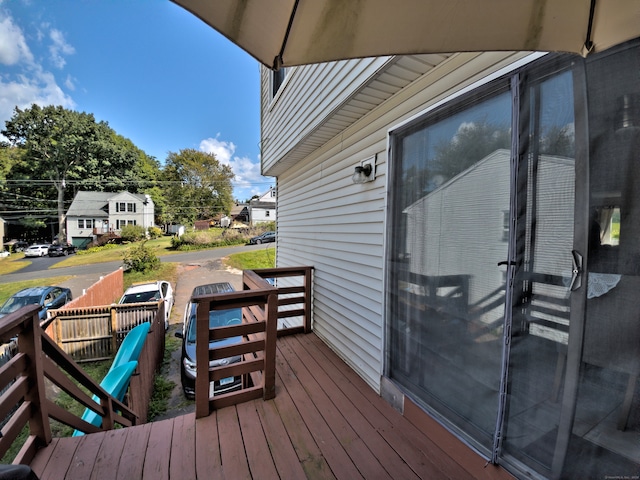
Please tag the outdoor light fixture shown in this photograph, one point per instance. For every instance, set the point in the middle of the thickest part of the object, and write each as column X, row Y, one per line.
column 365, row 172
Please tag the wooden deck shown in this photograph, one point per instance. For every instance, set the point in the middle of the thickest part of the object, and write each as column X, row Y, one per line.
column 324, row 422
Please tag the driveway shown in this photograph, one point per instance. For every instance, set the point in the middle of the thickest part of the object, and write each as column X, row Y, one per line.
column 190, row 275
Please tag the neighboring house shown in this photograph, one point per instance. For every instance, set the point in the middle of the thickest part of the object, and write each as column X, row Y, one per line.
column 93, row 214
column 263, row 208
column 240, row 213
column 476, row 275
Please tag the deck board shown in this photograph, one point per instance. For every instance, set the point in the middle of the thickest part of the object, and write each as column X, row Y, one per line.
column 260, row 452
column 208, row 459
column 109, row 454
column 131, row 463
column 60, row 461
column 340, row 421
column 234, row 460
column 158, row 451
column 183, row 460
column 359, row 415
column 324, row 423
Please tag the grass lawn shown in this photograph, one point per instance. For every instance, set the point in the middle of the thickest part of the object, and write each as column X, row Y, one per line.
column 255, row 259
column 11, row 264
column 166, row 271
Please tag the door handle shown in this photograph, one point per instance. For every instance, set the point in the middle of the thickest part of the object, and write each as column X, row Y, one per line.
column 576, row 271
column 506, row 262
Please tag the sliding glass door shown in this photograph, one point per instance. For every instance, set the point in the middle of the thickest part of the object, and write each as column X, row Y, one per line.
column 513, row 264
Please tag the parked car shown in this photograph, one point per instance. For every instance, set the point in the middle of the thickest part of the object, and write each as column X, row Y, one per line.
column 4, row 253
column 265, row 237
column 48, row 297
column 38, row 250
column 15, row 246
column 151, row 292
column 217, row 318
column 61, row 250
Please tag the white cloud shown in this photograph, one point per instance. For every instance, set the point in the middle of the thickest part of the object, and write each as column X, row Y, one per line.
column 39, row 88
column 13, row 46
column 221, row 149
column 27, row 82
column 69, row 83
column 248, row 179
column 59, row 48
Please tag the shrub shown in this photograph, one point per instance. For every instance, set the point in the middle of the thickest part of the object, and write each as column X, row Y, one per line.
column 132, row 233
column 208, row 239
column 140, row 258
column 154, row 232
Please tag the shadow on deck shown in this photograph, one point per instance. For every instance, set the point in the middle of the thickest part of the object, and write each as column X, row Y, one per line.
column 324, row 422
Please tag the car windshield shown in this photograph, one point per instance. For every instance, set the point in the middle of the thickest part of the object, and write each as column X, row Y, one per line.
column 14, row 303
column 220, row 318
column 141, row 297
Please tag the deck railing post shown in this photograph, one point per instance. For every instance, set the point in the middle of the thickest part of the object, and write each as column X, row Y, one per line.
column 307, row 300
column 202, row 359
column 30, row 343
column 269, row 374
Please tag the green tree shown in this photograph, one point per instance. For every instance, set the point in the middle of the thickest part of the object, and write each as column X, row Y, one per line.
column 63, row 148
column 199, row 186
column 471, row 144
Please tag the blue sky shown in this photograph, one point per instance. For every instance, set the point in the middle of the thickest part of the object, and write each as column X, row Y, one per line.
column 158, row 75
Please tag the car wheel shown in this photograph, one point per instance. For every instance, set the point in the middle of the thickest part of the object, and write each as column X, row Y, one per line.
column 258, row 242
column 65, row 252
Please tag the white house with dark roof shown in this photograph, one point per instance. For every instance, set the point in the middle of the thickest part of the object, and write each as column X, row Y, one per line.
column 263, row 208
column 98, row 213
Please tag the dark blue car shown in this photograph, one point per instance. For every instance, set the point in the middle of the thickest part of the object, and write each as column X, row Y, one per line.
column 47, row 297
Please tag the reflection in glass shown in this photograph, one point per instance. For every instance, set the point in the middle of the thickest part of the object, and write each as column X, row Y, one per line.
column 447, row 300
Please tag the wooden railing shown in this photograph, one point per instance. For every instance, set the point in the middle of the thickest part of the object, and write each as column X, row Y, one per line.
column 294, row 298
column 25, row 397
column 260, row 302
column 25, row 400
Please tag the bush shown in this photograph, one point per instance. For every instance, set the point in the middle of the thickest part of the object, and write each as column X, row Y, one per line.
column 208, row 239
column 132, row 233
column 154, row 232
column 140, row 258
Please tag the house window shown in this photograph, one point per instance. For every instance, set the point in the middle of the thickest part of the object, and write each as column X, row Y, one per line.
column 121, row 207
column 85, row 223
column 491, row 324
column 277, row 80
column 131, row 207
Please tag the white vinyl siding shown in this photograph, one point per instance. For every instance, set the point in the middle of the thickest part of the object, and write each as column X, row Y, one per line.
column 326, row 221
column 304, row 102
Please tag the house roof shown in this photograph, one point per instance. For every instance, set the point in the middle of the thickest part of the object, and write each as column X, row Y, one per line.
column 95, row 204
column 237, row 209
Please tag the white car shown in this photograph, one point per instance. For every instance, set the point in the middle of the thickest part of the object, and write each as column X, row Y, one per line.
column 37, row 251
column 4, row 253
column 151, row 292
